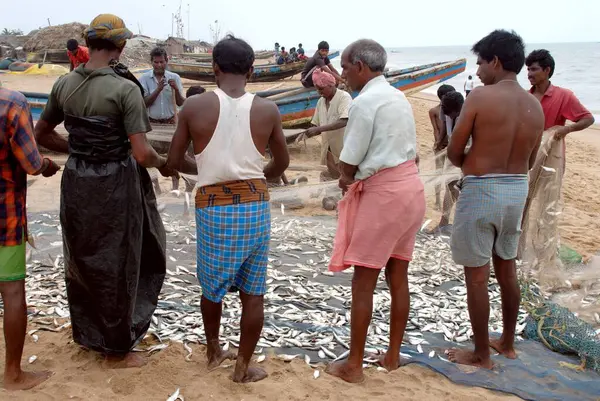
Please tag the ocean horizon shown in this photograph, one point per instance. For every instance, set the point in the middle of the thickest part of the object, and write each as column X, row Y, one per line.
column 576, row 67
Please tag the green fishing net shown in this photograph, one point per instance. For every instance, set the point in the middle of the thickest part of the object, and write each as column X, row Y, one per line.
column 561, row 330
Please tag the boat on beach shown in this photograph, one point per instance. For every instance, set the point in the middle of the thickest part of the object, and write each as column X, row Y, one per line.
column 207, row 57
column 297, row 104
column 262, row 73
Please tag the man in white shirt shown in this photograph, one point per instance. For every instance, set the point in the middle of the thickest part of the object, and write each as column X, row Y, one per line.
column 469, row 85
column 329, row 120
column 384, row 204
column 159, row 85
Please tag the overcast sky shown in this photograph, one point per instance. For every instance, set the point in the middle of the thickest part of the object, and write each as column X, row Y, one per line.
column 394, row 23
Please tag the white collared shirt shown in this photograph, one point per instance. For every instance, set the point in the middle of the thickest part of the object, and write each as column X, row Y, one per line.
column 381, row 130
column 162, row 108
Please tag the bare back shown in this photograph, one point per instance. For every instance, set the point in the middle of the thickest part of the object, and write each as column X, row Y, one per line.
column 507, row 125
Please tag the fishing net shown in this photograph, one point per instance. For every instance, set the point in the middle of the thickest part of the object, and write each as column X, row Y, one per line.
column 560, row 330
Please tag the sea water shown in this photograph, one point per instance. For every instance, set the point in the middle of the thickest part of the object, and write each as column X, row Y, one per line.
column 576, row 67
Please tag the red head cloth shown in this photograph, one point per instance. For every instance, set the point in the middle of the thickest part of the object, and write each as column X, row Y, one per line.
column 322, row 78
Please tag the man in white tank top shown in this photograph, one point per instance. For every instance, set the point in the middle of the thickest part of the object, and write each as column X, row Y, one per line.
column 230, row 130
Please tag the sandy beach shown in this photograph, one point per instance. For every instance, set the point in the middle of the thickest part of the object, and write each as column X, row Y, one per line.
column 79, row 374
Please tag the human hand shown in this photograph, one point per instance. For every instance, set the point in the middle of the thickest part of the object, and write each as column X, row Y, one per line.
column 161, row 85
column 173, row 83
column 312, row 131
column 345, row 182
column 560, row 132
column 50, row 169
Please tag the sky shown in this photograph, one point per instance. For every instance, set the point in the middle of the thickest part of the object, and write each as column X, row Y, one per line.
column 412, row 24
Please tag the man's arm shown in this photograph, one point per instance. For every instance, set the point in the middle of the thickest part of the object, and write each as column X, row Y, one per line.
column 177, row 158
column 22, row 143
column 463, row 129
column 150, row 98
column 434, row 118
column 70, row 62
column 280, row 159
column 357, row 138
column 179, row 92
column 314, row 131
column 574, row 111
column 52, row 116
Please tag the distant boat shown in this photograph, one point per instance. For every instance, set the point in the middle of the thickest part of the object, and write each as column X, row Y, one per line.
column 297, row 105
column 207, row 57
column 262, row 73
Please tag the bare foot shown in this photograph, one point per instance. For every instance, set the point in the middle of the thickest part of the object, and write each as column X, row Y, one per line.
column 389, row 362
column 502, row 349
column 215, row 360
column 252, row 374
column 130, row 360
column 346, row 372
column 26, row 380
column 466, row 357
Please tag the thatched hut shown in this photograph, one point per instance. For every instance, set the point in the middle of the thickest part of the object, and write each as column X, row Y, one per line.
column 55, row 37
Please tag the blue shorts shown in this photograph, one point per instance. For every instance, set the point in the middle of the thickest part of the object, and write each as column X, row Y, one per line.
column 233, row 248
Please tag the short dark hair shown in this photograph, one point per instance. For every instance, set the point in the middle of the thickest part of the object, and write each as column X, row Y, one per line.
column 282, row 48
column 442, row 90
column 300, row 45
column 194, row 90
column 158, row 52
column 101, row 44
column 543, row 58
column 452, row 102
column 72, row 44
column 276, row 43
column 507, row 46
column 323, row 45
column 233, row 56
column 470, row 77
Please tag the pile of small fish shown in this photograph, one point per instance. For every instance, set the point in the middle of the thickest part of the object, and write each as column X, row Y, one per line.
column 307, row 308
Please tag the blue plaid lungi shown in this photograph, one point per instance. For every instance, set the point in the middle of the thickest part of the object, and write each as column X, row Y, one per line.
column 233, row 248
column 488, row 218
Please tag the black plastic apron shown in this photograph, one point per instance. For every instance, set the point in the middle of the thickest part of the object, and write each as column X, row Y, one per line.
column 114, row 238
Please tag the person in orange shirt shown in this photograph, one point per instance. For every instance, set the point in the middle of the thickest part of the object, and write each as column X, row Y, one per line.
column 77, row 54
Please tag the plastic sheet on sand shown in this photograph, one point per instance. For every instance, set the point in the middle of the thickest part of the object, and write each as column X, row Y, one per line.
column 46, row 69
column 538, row 374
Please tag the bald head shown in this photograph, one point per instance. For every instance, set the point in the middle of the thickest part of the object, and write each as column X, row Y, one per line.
column 369, row 52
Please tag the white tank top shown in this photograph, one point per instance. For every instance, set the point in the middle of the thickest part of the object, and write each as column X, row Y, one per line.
column 231, row 154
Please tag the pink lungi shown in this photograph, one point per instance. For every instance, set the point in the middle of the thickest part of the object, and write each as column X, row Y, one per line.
column 379, row 218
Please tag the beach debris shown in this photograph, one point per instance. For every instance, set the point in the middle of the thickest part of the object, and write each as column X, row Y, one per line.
column 316, row 374
column 32, row 358
column 189, row 350
column 176, row 396
column 261, row 358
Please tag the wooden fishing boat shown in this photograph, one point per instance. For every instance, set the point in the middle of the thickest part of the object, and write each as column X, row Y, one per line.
column 262, row 73
column 297, row 105
column 207, row 57
column 297, row 109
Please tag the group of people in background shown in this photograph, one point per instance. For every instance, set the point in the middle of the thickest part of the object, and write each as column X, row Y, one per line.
column 294, row 55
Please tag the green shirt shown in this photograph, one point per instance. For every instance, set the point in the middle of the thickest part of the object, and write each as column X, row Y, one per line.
column 103, row 94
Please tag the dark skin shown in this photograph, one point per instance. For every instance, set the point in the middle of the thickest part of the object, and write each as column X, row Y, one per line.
column 142, row 152
column 365, row 279
column 506, row 124
column 159, row 64
column 73, row 52
column 540, row 79
column 197, row 123
column 329, row 68
column 15, row 321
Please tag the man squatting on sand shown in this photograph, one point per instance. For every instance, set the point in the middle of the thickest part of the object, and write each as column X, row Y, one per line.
column 230, row 130
column 384, row 204
column 505, row 123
